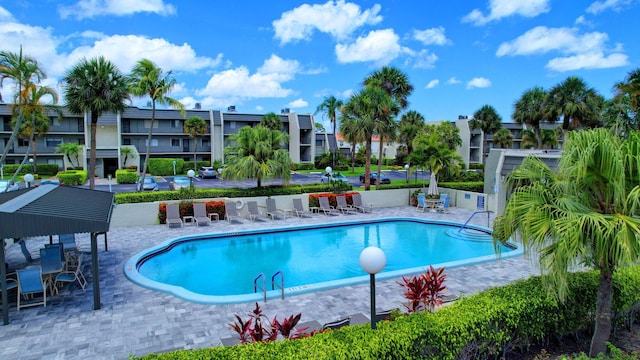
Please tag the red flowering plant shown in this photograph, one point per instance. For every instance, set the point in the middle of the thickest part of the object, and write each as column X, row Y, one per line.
column 258, row 328
column 424, row 291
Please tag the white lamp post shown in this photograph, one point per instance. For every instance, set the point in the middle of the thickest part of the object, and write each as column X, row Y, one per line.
column 328, row 171
column 373, row 260
column 191, row 174
column 28, row 178
column 406, row 168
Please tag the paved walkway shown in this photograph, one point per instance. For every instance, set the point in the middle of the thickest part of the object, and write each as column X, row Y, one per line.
column 137, row 321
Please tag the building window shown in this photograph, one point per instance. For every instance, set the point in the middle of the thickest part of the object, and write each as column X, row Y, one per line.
column 175, row 124
column 58, row 162
column 56, row 121
column 232, row 124
column 175, row 142
column 126, row 141
column 319, row 143
column 52, row 141
column 147, row 124
column 154, row 142
column 206, row 142
column 23, row 142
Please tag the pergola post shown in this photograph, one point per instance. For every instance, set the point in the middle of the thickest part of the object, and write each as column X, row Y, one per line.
column 3, row 277
column 95, row 272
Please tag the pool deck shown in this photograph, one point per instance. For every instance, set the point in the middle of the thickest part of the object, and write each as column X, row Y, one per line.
column 137, row 321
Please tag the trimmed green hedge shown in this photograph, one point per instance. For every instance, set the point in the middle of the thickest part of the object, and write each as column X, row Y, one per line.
column 164, row 167
column 126, row 176
column 43, row 169
column 304, row 166
column 484, row 325
column 72, row 177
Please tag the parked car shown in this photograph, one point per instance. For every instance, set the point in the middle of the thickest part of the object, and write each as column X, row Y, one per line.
column 336, row 176
column 179, row 182
column 150, row 184
column 207, row 172
column 52, row 181
column 374, row 175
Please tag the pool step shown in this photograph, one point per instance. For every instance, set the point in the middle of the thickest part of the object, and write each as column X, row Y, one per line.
column 469, row 234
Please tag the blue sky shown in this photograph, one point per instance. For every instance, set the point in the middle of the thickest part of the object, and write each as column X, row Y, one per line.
column 263, row 56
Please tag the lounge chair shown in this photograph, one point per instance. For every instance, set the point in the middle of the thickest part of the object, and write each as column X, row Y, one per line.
column 173, row 215
column 231, row 212
column 335, row 325
column 273, row 211
column 200, row 214
column 325, row 207
column 72, row 275
column 299, row 209
column 253, row 212
column 422, row 205
column 443, row 206
column 358, row 205
column 30, row 283
column 343, row 206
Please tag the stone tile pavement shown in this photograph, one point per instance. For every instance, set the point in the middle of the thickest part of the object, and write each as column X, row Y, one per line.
column 137, row 321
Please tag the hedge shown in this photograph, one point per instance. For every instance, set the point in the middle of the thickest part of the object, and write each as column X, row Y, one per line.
column 43, row 169
column 485, row 325
column 164, row 167
column 126, row 176
column 72, row 177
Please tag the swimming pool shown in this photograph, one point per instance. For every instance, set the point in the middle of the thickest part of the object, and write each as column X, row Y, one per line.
column 221, row 268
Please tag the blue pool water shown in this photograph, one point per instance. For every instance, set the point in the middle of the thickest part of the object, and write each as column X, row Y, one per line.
column 221, row 268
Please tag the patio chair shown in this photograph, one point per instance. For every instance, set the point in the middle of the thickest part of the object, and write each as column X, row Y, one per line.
column 299, row 209
column 30, row 283
column 358, row 205
column 173, row 215
column 422, row 205
column 343, row 206
column 326, row 208
column 273, row 211
column 12, row 283
column 231, row 212
column 72, row 275
column 253, row 212
column 443, row 206
column 335, row 325
column 200, row 214
column 68, row 241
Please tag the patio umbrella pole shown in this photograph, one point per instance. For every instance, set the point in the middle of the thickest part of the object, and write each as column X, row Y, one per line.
column 94, row 271
column 3, row 290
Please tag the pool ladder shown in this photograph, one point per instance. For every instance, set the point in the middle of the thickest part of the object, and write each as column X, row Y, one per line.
column 257, row 286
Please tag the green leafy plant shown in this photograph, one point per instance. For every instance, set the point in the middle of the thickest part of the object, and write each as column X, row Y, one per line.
column 258, row 328
column 424, row 291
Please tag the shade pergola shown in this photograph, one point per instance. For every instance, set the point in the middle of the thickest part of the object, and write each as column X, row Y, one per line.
column 54, row 210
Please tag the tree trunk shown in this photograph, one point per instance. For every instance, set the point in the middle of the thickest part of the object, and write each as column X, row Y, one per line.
column 335, row 139
column 603, row 314
column 195, row 146
column 148, row 153
column 539, row 136
column 367, row 165
column 92, row 153
column 379, row 164
column 35, row 156
column 353, row 157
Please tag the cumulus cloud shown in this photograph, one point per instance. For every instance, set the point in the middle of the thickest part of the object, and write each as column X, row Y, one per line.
column 91, row 8
column 600, row 6
column 581, row 51
column 423, row 59
column 379, row 47
column 433, row 36
column 299, row 103
column 337, row 18
column 452, row 80
column 433, row 83
column 478, row 82
column 499, row 9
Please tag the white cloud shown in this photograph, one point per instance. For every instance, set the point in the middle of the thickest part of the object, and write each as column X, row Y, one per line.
column 452, row 80
column 379, row 46
column 433, row 36
column 5, row 15
column 581, row 51
column 499, row 9
column 433, row 83
column 478, row 82
column 424, row 60
column 284, row 69
column 337, row 18
column 299, row 103
column 92, row 8
column 259, row 108
column 600, row 6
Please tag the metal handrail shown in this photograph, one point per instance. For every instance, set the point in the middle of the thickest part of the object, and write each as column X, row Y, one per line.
column 273, row 282
column 474, row 214
column 264, row 285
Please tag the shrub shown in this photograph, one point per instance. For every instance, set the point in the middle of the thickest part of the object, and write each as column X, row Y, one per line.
column 72, row 177
column 126, row 177
column 476, row 166
column 258, row 328
column 303, row 166
column 43, row 169
column 424, row 291
column 164, row 167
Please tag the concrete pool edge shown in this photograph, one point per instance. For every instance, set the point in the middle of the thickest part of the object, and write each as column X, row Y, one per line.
column 131, row 266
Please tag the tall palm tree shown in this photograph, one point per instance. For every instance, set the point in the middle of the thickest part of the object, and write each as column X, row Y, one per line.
column 529, row 110
column 618, row 115
column 331, row 106
column 94, row 86
column 386, row 128
column 25, row 73
column 487, row 120
column 431, row 152
column 586, row 213
column 256, row 154
column 36, row 116
column 550, row 138
column 394, row 82
column 195, row 126
column 352, row 133
column 528, row 139
column 271, row 121
column 411, row 124
column 503, row 138
column 148, row 79
column 630, row 87
column 576, row 102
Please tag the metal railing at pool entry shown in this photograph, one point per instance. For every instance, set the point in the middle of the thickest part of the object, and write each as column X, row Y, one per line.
column 474, row 214
column 273, row 282
column 263, row 287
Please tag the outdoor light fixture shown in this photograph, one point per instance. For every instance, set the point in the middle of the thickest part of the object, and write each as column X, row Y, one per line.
column 191, row 174
column 406, row 168
column 373, row 260
column 28, row 178
column 328, row 169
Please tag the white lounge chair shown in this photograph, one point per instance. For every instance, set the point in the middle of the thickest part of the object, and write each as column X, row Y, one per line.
column 273, row 211
column 253, row 212
column 357, row 203
column 343, row 206
column 200, row 214
column 325, row 207
column 299, row 209
column 173, row 215
column 231, row 212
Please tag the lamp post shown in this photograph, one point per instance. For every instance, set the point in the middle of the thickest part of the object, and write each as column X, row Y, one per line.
column 174, row 168
column 28, row 179
column 406, row 168
column 373, row 260
column 33, row 168
column 191, row 174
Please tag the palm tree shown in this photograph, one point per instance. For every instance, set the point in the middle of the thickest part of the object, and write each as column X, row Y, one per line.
column 487, row 120
column 25, row 73
column 431, row 152
column 529, row 110
column 271, row 121
column 256, row 154
column 550, row 138
column 631, row 87
column 394, row 82
column 411, row 124
column 618, row 115
column 148, row 79
column 331, row 106
column 94, row 86
column 352, row 133
column 503, row 138
column 195, row 126
column 576, row 102
column 127, row 152
column 35, row 116
column 586, row 212
column 529, row 140
column 69, row 150
column 386, row 128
